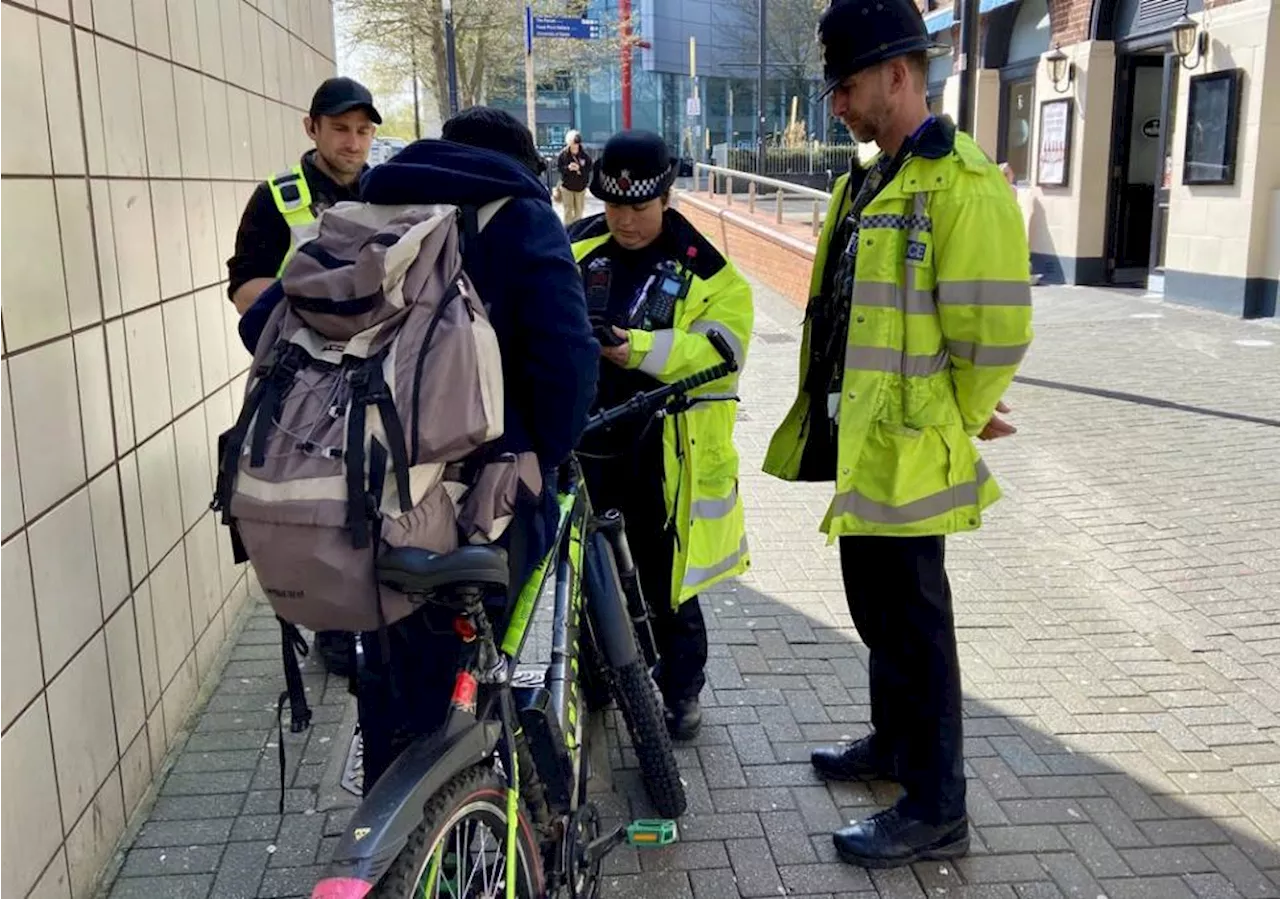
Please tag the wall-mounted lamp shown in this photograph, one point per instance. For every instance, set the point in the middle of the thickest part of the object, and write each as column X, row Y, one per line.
column 1189, row 37
column 1061, row 70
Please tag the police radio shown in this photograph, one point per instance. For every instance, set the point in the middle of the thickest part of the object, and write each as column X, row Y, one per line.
column 668, row 285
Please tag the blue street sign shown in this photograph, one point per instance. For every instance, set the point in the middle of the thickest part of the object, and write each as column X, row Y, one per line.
column 566, row 27
column 528, row 29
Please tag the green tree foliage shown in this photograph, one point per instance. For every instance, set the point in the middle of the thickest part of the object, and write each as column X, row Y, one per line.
column 405, row 36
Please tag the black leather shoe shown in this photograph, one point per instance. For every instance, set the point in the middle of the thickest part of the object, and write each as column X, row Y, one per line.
column 334, row 649
column 684, row 719
column 857, row 761
column 893, row 838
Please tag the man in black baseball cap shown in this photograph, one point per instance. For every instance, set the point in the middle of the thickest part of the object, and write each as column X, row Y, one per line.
column 282, row 212
column 337, row 96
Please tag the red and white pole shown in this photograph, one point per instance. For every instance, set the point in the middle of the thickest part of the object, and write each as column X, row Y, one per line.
column 624, row 15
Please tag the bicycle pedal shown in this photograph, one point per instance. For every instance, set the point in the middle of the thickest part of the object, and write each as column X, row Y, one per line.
column 650, row 832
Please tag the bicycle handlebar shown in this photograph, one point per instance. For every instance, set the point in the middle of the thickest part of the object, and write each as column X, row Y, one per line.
column 650, row 400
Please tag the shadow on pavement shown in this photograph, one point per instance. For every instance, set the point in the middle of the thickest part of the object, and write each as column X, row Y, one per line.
column 1051, row 820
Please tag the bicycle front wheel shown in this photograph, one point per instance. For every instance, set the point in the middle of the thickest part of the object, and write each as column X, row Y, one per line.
column 459, row 850
column 637, row 698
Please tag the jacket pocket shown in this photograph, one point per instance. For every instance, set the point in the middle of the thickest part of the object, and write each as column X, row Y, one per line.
column 900, row 464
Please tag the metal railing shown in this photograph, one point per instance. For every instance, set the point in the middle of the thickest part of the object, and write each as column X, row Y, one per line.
column 820, row 198
column 811, row 159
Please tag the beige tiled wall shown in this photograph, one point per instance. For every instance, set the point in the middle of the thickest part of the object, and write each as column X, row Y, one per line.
column 132, row 134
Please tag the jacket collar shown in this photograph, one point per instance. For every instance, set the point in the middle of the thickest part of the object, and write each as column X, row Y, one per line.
column 936, row 139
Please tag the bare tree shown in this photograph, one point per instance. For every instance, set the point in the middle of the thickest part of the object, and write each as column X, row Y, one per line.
column 488, row 39
column 792, row 53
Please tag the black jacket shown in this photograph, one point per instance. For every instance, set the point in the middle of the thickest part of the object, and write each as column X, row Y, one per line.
column 569, row 179
column 264, row 238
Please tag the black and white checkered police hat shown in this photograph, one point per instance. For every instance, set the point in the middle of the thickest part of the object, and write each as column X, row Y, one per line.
column 634, row 167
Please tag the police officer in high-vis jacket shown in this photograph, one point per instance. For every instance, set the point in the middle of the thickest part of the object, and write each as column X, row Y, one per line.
column 283, row 209
column 282, row 212
column 919, row 315
column 655, row 289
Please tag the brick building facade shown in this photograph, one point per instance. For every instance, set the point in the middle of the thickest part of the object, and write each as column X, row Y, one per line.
column 1123, row 197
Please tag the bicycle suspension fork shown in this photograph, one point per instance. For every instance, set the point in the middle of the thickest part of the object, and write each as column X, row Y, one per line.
column 613, row 527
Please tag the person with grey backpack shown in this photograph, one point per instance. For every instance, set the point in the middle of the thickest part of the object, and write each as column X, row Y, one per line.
column 423, row 365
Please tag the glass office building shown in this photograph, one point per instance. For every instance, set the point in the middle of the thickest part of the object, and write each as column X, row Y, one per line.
column 727, row 62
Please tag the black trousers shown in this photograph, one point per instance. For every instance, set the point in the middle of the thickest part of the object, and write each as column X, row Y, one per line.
column 633, row 486
column 900, row 601
column 405, row 694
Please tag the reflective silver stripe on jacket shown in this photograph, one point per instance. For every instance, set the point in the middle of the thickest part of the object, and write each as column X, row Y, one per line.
column 656, row 359
column 984, row 293
column 854, row 503
column 693, row 577
column 887, row 359
column 711, row 509
column 985, row 354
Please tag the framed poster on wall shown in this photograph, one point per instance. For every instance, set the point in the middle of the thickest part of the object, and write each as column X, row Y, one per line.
column 1053, row 162
column 1213, row 110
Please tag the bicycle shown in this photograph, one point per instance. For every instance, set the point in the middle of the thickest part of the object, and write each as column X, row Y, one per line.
column 510, row 763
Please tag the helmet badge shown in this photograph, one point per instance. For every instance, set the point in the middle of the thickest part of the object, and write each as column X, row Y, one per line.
column 624, row 180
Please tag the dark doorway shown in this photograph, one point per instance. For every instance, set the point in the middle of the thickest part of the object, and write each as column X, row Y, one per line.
column 1146, row 89
column 1137, row 166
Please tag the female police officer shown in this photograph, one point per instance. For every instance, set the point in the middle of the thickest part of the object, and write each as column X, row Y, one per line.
column 655, row 289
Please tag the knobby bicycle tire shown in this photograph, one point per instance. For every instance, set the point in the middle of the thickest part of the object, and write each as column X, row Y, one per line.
column 478, row 790
column 637, row 698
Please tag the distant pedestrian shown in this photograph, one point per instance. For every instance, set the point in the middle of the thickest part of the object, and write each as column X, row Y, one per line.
column 575, row 175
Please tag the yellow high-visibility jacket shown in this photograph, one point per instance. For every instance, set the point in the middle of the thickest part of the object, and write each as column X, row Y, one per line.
column 292, row 196
column 700, row 463
column 940, row 321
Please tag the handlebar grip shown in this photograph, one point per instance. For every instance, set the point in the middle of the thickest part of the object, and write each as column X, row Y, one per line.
column 706, row 376
column 648, row 402
column 721, row 346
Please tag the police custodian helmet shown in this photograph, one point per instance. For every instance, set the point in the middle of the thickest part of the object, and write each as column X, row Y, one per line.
column 857, row 34
column 634, row 167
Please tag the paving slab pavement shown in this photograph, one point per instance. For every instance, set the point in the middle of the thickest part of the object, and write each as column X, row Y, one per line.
column 1119, row 623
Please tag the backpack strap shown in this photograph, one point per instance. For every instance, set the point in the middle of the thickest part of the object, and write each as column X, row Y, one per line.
column 290, row 359
column 369, row 388
column 231, row 442
column 485, row 213
column 291, row 644
column 475, row 219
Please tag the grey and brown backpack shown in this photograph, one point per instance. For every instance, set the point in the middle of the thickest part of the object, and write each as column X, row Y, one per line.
column 373, row 404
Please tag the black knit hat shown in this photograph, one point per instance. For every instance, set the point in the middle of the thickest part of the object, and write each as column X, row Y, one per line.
column 857, row 34
column 634, row 167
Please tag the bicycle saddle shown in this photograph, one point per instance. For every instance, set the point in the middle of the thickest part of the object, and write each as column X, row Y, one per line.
column 413, row 570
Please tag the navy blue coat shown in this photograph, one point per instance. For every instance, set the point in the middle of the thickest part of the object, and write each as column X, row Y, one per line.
column 523, row 269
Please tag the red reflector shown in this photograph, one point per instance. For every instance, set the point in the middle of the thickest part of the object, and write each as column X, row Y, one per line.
column 464, row 692
column 464, row 628
column 341, row 888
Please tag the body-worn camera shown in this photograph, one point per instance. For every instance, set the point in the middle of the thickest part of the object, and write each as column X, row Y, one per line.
column 654, row 307
column 596, row 281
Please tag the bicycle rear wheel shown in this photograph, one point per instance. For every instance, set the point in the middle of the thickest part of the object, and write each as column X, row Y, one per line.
column 459, row 849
